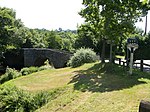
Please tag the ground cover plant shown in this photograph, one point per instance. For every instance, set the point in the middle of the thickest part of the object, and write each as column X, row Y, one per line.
column 13, row 99
column 92, row 87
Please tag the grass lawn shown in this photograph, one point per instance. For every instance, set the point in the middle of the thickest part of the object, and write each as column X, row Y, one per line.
column 118, row 56
column 92, row 87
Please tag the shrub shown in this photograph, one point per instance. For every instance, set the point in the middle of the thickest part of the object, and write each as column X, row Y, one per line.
column 13, row 99
column 82, row 56
column 26, row 71
column 10, row 74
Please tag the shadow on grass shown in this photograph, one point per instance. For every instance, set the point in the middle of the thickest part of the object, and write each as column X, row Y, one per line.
column 106, row 77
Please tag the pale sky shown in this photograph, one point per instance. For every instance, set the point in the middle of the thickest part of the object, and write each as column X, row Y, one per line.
column 50, row 14
column 142, row 24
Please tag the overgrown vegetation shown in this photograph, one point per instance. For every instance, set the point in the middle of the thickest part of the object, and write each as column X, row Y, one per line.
column 82, row 56
column 12, row 73
column 13, row 99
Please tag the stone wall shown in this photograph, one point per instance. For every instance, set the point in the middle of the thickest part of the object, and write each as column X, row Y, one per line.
column 14, row 59
column 37, row 56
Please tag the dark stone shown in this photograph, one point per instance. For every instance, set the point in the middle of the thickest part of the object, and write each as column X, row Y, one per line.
column 144, row 106
column 14, row 59
column 37, row 57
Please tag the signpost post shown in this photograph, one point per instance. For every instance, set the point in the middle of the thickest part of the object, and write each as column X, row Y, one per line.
column 132, row 45
column 111, row 42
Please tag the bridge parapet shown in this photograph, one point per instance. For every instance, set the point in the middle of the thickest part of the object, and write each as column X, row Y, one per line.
column 37, row 56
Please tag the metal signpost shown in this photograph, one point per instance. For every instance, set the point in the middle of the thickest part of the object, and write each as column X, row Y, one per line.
column 132, row 45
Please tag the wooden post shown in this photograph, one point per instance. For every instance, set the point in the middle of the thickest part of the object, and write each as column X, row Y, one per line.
column 110, row 60
column 119, row 61
column 144, row 106
column 141, row 65
column 123, row 64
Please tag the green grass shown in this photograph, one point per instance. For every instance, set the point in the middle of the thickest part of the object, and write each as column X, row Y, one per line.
column 119, row 56
column 92, row 87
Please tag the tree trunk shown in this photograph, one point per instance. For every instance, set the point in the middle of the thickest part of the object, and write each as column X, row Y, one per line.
column 103, row 52
column 111, row 58
column 145, row 25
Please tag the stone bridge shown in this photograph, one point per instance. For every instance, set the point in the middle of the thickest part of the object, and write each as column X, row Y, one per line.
column 37, row 57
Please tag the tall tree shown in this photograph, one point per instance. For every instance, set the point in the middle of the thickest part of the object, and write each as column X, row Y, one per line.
column 112, row 18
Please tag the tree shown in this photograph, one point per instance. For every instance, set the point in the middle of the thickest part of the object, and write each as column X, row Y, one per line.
column 9, row 26
column 112, row 19
column 86, row 37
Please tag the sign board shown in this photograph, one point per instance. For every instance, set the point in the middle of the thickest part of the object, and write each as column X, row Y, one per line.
column 132, row 45
column 132, row 41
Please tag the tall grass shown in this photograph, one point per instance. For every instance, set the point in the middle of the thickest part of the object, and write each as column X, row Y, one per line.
column 13, row 99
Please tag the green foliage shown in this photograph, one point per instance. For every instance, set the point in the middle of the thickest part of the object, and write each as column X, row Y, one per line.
column 111, row 19
column 82, row 56
column 29, row 70
column 55, row 42
column 13, row 99
column 86, row 37
column 8, row 29
column 144, row 47
column 14, row 35
column 26, row 70
column 44, row 97
column 10, row 74
column 42, row 38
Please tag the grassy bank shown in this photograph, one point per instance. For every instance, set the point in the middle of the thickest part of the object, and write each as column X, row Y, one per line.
column 92, row 87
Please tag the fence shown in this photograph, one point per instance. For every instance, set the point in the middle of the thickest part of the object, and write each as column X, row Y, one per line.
column 141, row 63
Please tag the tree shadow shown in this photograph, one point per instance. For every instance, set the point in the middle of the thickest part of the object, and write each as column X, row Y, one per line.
column 107, row 77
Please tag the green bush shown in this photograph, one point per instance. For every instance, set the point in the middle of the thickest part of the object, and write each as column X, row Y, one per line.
column 26, row 70
column 10, row 74
column 82, row 56
column 13, row 99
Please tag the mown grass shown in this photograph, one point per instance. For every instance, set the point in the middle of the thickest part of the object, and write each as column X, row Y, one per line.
column 92, row 87
column 119, row 56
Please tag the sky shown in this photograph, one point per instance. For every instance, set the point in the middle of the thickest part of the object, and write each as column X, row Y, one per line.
column 48, row 14
column 51, row 14
column 142, row 24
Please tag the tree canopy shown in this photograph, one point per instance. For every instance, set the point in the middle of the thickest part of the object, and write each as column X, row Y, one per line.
column 14, row 35
column 113, row 19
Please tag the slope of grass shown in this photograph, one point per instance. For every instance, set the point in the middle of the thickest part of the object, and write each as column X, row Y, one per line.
column 92, row 87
